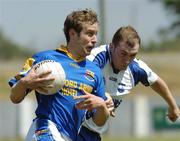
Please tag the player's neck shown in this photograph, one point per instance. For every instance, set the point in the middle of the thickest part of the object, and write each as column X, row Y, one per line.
column 116, row 71
column 74, row 54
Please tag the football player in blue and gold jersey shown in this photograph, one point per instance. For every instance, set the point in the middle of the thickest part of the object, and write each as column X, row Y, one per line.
column 59, row 116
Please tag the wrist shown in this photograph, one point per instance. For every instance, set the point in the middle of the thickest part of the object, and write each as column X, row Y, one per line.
column 24, row 85
column 102, row 108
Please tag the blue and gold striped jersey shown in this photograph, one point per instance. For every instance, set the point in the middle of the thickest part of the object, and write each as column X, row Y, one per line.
column 60, row 107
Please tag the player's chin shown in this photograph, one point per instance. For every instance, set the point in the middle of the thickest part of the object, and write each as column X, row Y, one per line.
column 88, row 49
column 88, row 52
column 122, row 67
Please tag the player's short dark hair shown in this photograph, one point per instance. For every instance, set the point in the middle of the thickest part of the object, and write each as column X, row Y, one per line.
column 77, row 19
column 127, row 34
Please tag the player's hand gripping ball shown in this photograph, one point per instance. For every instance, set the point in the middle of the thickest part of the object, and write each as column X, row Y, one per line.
column 57, row 72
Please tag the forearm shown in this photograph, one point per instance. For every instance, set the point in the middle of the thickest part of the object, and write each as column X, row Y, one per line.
column 18, row 92
column 169, row 99
column 101, row 115
column 91, row 102
column 162, row 89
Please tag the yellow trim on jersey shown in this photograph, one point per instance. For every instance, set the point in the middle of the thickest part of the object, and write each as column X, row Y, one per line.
column 64, row 49
column 27, row 65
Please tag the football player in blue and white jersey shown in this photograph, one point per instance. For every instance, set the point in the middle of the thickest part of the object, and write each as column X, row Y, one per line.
column 122, row 71
column 59, row 116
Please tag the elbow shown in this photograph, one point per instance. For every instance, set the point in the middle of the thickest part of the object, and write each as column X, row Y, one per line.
column 101, row 122
column 14, row 99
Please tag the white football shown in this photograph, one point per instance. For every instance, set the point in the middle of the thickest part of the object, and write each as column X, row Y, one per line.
column 57, row 72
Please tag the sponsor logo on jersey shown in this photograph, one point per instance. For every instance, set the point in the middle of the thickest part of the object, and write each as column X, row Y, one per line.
column 121, row 84
column 89, row 75
column 113, row 79
column 74, row 65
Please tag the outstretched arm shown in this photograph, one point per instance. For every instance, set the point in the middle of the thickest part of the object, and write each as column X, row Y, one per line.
column 162, row 89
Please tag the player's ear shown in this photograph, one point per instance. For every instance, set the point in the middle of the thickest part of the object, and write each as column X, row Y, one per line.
column 112, row 45
column 72, row 33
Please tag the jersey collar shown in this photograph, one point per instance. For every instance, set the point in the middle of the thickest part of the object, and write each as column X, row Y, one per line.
column 65, row 50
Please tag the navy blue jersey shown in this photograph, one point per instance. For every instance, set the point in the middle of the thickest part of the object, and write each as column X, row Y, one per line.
column 60, row 107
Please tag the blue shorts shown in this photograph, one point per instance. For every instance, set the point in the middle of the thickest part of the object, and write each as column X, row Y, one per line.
column 88, row 135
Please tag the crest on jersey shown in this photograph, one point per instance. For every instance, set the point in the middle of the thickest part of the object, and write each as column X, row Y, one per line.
column 89, row 75
column 121, row 88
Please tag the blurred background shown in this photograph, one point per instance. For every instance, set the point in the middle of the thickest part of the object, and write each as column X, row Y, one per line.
column 28, row 26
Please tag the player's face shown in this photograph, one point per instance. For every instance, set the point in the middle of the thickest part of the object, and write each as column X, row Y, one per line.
column 87, row 39
column 123, row 54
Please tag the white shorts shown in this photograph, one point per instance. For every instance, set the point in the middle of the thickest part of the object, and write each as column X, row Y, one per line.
column 48, row 133
column 89, row 123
